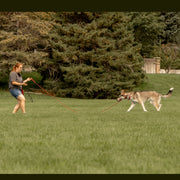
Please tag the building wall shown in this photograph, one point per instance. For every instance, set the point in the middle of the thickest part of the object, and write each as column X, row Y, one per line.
column 172, row 71
column 152, row 65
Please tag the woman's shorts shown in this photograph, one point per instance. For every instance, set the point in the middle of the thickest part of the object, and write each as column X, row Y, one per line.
column 15, row 92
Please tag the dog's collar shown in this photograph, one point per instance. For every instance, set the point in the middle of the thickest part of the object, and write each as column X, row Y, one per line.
column 127, row 97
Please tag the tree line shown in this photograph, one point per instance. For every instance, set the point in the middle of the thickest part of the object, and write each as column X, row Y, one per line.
column 88, row 54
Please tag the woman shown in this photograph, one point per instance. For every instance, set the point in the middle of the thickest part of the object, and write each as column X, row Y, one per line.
column 15, row 87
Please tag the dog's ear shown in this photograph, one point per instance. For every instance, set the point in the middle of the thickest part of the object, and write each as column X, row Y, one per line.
column 122, row 91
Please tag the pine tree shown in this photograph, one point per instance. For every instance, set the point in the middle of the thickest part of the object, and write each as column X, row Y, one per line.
column 93, row 55
column 171, row 21
column 148, row 30
column 79, row 54
column 23, row 37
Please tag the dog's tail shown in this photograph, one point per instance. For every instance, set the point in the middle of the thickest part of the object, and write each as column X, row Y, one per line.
column 168, row 94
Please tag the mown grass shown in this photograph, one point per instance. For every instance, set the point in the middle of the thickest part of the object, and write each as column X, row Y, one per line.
column 51, row 139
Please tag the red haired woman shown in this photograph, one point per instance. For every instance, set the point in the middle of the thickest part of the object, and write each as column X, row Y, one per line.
column 15, row 86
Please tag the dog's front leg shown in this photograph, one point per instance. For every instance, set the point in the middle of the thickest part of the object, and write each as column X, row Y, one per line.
column 142, row 104
column 132, row 105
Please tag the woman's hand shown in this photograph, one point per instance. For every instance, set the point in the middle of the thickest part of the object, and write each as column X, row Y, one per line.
column 24, row 84
column 28, row 79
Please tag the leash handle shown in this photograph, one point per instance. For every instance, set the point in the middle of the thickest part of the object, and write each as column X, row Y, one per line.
column 53, row 96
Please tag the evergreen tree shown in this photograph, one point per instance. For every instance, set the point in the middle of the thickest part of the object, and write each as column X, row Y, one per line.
column 93, row 55
column 148, row 28
column 23, row 37
column 171, row 28
column 170, row 56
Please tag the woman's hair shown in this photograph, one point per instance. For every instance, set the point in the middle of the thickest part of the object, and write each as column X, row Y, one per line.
column 16, row 66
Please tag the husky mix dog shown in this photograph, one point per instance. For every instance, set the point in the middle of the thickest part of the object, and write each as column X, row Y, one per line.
column 142, row 96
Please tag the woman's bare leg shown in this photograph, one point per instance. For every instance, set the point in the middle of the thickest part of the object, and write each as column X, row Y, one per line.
column 22, row 100
column 16, row 108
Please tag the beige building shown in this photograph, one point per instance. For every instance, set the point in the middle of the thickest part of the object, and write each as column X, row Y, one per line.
column 152, row 65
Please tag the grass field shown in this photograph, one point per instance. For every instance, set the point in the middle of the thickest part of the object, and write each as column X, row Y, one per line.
column 51, row 139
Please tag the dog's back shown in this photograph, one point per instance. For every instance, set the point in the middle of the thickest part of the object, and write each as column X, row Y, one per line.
column 146, row 95
column 153, row 94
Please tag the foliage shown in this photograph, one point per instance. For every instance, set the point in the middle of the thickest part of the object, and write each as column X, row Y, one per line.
column 171, row 22
column 3, row 80
column 23, row 37
column 170, row 58
column 95, row 56
column 87, row 54
column 148, row 27
column 35, row 75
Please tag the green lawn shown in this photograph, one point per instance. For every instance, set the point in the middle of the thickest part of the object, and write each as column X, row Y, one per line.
column 51, row 139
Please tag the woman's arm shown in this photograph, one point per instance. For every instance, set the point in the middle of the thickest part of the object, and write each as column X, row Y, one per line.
column 28, row 79
column 19, row 84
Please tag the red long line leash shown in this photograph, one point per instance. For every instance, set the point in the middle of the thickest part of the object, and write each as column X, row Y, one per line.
column 53, row 96
column 126, row 97
column 111, row 106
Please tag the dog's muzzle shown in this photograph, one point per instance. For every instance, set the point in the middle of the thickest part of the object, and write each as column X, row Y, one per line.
column 119, row 99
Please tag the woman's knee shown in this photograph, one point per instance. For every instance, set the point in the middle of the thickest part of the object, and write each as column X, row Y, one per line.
column 21, row 98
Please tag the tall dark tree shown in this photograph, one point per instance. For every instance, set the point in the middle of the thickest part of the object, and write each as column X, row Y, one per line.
column 23, row 37
column 171, row 21
column 148, row 28
column 93, row 55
